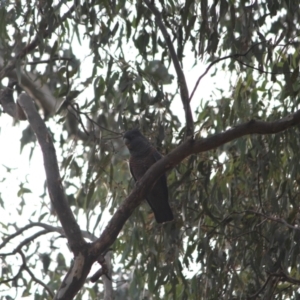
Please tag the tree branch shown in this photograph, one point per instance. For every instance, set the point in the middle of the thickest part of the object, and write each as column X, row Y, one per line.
column 47, row 61
column 29, row 239
column 277, row 220
column 172, row 159
column 261, row 289
column 85, row 258
column 55, row 188
column 25, row 267
column 48, row 228
column 82, row 263
column 184, row 92
column 237, row 55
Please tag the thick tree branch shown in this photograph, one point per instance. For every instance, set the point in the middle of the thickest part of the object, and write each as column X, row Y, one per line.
column 55, row 188
column 184, row 150
column 85, row 258
column 81, row 266
column 184, row 92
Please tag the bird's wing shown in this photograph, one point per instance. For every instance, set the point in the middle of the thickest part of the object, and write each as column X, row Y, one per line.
column 131, row 171
column 163, row 179
column 138, row 167
column 158, row 196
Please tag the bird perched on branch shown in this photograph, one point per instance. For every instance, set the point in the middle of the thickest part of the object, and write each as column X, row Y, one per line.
column 142, row 156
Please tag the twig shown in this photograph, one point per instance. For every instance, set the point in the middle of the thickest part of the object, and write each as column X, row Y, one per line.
column 46, row 61
column 285, row 277
column 281, row 277
column 236, row 57
column 14, row 277
column 278, row 220
column 47, row 227
column 25, row 267
column 261, row 70
column 218, row 60
column 258, row 191
column 26, row 241
column 261, row 289
column 30, row 239
column 90, row 119
column 18, row 232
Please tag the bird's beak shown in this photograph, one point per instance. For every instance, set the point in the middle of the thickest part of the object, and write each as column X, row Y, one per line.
column 126, row 141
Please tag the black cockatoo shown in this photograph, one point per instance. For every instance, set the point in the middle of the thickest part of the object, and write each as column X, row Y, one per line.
column 142, row 156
